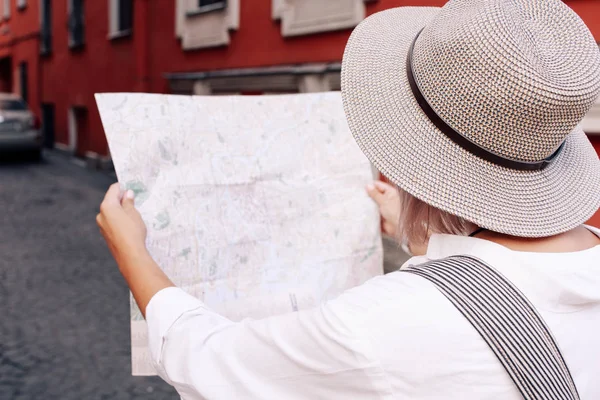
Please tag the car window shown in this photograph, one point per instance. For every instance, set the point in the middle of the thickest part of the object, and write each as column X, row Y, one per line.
column 13, row 105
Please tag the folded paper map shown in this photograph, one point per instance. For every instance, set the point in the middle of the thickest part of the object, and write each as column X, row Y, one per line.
column 256, row 205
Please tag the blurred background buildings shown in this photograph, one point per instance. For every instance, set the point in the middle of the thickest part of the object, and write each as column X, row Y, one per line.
column 57, row 53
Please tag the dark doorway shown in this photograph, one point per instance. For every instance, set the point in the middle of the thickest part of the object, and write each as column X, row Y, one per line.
column 23, row 81
column 48, row 124
column 81, row 133
column 6, row 75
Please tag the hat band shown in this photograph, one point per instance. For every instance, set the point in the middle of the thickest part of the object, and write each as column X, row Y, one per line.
column 461, row 140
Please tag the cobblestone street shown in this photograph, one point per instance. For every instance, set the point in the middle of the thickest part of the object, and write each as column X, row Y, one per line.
column 64, row 332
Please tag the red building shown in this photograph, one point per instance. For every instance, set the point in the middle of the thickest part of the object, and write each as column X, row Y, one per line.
column 58, row 53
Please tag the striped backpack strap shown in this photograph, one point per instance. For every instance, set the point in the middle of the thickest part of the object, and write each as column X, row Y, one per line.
column 507, row 321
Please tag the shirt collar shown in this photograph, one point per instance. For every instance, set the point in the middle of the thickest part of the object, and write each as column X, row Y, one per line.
column 443, row 245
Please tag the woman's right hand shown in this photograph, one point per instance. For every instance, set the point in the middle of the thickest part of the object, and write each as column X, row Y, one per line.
column 387, row 198
column 121, row 224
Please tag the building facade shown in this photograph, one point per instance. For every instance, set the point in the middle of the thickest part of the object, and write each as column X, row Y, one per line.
column 58, row 53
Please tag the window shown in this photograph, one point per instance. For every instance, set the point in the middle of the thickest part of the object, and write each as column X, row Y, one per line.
column 6, row 9
column 212, row 3
column 125, row 15
column 46, row 26
column 76, row 24
column 208, row 5
column 21, row 4
column 305, row 17
column 121, row 18
column 203, row 27
column 23, row 81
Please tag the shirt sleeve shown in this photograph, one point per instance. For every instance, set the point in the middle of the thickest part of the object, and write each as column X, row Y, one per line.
column 310, row 354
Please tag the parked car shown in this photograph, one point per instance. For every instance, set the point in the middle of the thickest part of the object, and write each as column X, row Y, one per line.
column 19, row 127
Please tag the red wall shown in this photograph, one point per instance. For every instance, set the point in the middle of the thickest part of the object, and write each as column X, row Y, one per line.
column 258, row 42
column 71, row 77
column 19, row 42
column 138, row 63
column 589, row 11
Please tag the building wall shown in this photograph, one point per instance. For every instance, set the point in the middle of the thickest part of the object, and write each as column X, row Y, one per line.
column 258, row 42
column 70, row 77
column 589, row 11
column 19, row 43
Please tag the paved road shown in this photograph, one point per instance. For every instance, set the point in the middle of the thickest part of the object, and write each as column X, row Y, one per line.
column 64, row 323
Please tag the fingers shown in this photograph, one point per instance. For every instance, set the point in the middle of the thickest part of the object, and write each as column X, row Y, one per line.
column 375, row 194
column 113, row 194
column 383, row 187
column 128, row 200
column 111, row 199
column 100, row 222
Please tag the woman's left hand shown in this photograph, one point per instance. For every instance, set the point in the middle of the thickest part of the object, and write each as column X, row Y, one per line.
column 121, row 224
column 387, row 199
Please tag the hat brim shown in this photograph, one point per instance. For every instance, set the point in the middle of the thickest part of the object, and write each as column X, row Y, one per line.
column 398, row 138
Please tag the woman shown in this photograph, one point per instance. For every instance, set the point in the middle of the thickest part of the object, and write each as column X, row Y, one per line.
column 472, row 110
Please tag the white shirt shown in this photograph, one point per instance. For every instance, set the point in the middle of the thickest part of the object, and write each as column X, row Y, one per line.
column 394, row 337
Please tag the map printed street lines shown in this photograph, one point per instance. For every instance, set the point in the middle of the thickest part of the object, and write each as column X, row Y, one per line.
column 254, row 204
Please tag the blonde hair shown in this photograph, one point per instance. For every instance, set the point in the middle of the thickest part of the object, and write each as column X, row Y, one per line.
column 418, row 220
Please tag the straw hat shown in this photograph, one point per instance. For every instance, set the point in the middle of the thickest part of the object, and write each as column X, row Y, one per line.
column 474, row 108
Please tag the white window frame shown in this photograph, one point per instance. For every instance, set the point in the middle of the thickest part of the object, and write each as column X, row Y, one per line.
column 197, row 28
column 277, row 8
column 6, row 9
column 204, row 9
column 113, row 21
column 305, row 17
